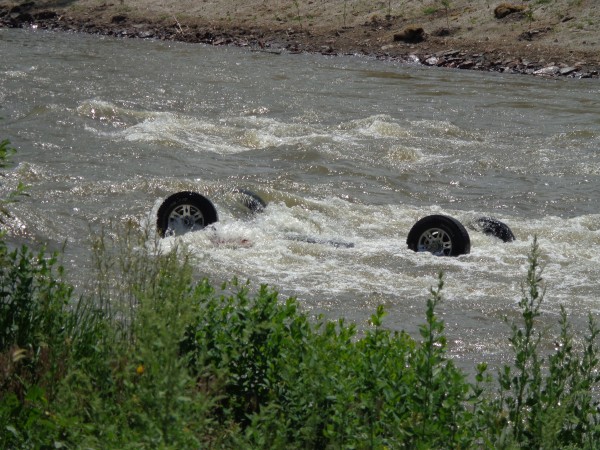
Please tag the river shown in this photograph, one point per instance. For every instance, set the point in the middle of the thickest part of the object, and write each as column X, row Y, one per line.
column 344, row 149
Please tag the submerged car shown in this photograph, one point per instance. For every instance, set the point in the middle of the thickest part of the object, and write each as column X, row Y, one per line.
column 438, row 234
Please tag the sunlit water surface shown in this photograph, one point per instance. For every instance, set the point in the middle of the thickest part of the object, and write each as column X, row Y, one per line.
column 344, row 149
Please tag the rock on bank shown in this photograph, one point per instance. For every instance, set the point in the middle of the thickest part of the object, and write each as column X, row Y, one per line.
column 556, row 39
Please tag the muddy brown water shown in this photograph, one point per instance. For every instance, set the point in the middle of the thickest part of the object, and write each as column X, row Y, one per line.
column 344, row 149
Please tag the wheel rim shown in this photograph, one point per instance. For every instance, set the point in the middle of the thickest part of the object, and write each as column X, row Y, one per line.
column 436, row 241
column 185, row 218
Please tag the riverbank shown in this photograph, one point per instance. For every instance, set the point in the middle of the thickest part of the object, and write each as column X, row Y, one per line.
column 550, row 39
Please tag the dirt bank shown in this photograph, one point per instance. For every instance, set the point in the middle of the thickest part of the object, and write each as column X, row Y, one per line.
column 553, row 38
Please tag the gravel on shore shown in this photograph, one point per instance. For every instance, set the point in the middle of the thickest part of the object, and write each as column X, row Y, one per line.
column 406, row 50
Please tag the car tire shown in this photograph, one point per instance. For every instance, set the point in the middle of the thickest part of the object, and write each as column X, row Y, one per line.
column 184, row 212
column 250, row 200
column 493, row 227
column 439, row 235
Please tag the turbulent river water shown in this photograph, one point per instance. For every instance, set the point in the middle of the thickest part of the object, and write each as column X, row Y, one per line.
column 344, row 149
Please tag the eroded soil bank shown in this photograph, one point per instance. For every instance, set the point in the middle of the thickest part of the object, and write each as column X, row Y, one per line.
column 557, row 38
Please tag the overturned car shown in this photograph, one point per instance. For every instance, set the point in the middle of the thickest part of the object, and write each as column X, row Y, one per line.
column 438, row 234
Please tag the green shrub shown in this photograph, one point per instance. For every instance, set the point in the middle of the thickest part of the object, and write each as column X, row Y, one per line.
column 136, row 386
column 154, row 357
column 546, row 404
column 34, row 343
column 312, row 385
column 6, row 152
column 33, row 321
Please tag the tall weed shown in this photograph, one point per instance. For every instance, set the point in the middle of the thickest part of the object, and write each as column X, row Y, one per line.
column 6, row 153
column 547, row 402
column 35, row 344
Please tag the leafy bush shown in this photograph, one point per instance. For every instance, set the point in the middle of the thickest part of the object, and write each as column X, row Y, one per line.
column 294, row 383
column 547, row 404
column 6, row 152
column 150, row 357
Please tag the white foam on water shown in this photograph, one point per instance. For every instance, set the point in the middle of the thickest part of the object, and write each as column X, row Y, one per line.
column 294, row 248
column 237, row 134
column 223, row 136
column 187, row 132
